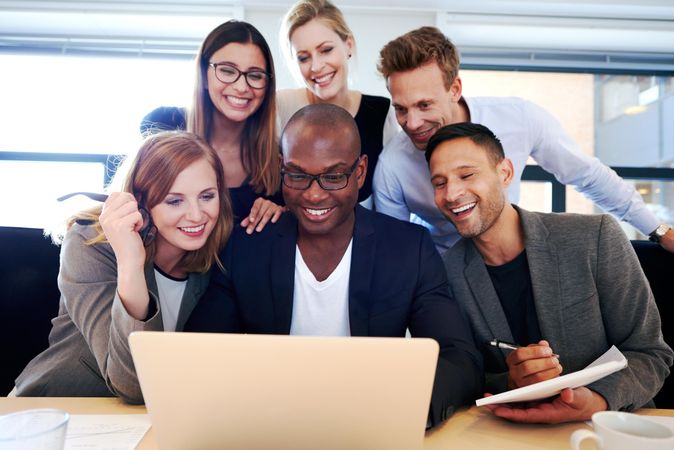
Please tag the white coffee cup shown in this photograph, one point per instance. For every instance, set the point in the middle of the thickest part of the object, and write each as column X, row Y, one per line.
column 614, row 430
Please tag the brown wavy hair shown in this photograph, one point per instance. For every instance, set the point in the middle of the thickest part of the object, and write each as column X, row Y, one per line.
column 149, row 177
column 259, row 146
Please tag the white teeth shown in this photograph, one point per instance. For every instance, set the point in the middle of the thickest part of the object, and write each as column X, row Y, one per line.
column 237, row 100
column 193, row 229
column 324, row 79
column 317, row 212
column 463, row 208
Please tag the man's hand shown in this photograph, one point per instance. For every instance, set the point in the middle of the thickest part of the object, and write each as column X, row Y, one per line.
column 531, row 364
column 667, row 241
column 569, row 406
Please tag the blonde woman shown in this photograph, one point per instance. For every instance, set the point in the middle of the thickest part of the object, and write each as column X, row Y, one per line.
column 320, row 45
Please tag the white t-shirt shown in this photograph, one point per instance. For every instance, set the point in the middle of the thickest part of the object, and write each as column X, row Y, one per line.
column 170, row 292
column 321, row 308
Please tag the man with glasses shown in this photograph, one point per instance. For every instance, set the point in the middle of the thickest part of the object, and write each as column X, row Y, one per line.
column 334, row 268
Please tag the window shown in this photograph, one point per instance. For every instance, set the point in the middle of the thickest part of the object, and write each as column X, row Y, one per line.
column 70, row 104
column 621, row 119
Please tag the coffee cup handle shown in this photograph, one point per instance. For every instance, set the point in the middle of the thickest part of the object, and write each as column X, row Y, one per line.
column 579, row 436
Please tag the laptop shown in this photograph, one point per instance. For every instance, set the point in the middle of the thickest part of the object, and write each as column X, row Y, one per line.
column 232, row 391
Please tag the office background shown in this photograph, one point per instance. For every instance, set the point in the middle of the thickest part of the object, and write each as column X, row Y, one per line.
column 79, row 75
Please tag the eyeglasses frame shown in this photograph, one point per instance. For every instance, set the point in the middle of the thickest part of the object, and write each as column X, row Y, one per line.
column 317, row 178
column 240, row 72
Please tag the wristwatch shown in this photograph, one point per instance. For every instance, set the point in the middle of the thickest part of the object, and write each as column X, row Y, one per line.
column 659, row 232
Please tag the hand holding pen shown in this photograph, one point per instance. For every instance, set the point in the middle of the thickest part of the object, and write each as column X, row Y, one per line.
column 530, row 364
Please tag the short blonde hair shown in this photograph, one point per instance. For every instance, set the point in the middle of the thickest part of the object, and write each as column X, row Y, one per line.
column 305, row 11
column 418, row 48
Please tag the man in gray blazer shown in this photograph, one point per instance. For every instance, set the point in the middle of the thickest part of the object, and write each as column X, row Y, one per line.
column 564, row 287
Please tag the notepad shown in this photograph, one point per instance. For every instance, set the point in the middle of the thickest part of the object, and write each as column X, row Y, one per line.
column 106, row 431
column 611, row 361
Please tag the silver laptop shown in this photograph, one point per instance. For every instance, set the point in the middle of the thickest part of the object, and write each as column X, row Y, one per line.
column 233, row 391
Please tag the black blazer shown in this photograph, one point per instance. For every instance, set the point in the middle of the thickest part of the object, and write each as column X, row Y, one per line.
column 397, row 281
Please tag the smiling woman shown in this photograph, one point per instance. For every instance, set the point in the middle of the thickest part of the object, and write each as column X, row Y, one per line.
column 320, row 45
column 233, row 110
column 113, row 282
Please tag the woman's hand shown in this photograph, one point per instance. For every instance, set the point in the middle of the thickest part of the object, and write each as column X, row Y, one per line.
column 263, row 211
column 120, row 221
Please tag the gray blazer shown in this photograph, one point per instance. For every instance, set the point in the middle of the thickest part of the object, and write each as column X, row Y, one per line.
column 590, row 293
column 88, row 354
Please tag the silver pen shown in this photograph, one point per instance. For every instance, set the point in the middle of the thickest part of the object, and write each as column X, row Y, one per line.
column 503, row 344
column 510, row 346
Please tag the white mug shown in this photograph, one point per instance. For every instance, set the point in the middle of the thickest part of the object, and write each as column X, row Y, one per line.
column 614, row 430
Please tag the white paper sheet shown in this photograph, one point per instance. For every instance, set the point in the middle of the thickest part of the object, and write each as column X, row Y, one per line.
column 611, row 361
column 106, row 431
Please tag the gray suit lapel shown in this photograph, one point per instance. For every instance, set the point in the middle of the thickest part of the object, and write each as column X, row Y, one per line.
column 362, row 265
column 485, row 296
column 544, row 264
column 151, row 282
column 196, row 286
column 283, row 274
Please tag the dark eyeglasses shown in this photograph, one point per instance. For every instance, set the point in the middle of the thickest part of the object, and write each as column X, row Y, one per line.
column 329, row 181
column 227, row 73
column 147, row 231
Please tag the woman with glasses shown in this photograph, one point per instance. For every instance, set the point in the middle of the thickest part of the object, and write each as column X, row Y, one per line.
column 233, row 109
column 140, row 261
column 320, row 45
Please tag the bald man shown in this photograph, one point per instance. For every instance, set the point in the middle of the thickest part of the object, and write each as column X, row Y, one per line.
column 333, row 268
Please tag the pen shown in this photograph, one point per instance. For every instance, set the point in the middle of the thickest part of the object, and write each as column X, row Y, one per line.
column 503, row 344
column 509, row 346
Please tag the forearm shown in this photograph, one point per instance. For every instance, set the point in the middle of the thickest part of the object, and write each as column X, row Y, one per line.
column 132, row 290
column 88, row 283
column 119, row 372
column 458, row 382
column 557, row 152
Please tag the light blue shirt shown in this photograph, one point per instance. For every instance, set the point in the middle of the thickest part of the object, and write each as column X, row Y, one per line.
column 402, row 186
